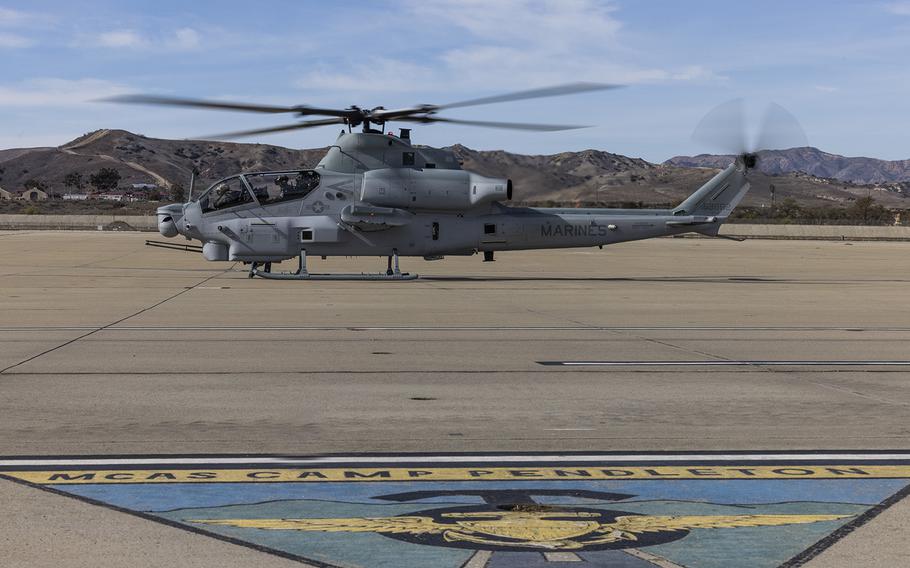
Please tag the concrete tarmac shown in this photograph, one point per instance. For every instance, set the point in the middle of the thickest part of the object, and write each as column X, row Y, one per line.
column 110, row 347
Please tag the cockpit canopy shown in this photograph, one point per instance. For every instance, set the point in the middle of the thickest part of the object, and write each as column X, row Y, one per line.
column 264, row 188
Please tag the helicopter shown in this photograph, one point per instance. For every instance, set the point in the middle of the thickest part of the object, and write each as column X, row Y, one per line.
column 376, row 193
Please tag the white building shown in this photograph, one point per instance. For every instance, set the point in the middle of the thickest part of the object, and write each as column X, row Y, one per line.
column 32, row 195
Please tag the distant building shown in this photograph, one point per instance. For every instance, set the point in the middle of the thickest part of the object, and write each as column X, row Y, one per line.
column 144, row 186
column 5, row 195
column 32, row 195
column 121, row 197
column 75, row 196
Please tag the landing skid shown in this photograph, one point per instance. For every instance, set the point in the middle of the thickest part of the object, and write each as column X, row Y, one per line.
column 303, row 274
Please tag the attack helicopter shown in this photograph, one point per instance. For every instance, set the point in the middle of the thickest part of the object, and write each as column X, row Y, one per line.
column 376, row 193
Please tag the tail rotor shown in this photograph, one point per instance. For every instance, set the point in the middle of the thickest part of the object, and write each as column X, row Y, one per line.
column 724, row 129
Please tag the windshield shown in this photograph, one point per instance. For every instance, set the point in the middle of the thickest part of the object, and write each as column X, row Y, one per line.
column 274, row 187
column 224, row 194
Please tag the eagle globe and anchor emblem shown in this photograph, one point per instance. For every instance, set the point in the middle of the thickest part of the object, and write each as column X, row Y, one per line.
column 512, row 521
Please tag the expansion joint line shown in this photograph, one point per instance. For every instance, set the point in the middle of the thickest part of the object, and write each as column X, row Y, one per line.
column 673, row 346
column 119, row 321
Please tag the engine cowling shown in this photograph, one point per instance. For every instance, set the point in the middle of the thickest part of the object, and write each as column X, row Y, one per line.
column 432, row 189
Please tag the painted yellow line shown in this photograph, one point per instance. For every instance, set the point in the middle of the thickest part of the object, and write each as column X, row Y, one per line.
column 265, row 475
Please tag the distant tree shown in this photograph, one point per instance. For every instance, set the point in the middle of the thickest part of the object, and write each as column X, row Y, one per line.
column 33, row 183
column 177, row 193
column 867, row 211
column 74, row 180
column 788, row 210
column 105, row 180
column 154, row 195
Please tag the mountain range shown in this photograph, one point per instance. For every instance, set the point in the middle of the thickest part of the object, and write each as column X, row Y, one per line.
column 810, row 176
column 811, row 161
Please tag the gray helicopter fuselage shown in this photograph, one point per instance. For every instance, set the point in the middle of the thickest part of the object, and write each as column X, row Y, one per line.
column 377, row 195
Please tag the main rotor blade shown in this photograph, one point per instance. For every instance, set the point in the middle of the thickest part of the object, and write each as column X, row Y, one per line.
column 199, row 103
column 556, row 91
column 724, row 128
column 490, row 124
column 780, row 130
column 301, row 110
column 299, row 125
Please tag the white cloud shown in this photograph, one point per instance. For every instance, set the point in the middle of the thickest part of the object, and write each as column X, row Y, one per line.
column 554, row 23
column 375, row 74
column 54, row 92
column 180, row 40
column 14, row 17
column 14, row 41
column 120, row 38
column 185, row 38
column 510, row 44
column 898, row 8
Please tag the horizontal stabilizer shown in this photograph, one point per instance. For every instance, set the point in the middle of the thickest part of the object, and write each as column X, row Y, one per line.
column 690, row 221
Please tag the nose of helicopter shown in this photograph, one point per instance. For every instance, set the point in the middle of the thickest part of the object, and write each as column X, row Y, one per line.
column 168, row 217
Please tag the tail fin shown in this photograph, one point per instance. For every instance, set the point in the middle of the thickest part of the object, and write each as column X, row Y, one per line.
column 720, row 195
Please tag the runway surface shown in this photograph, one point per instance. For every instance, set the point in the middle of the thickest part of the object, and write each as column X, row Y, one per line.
column 110, row 348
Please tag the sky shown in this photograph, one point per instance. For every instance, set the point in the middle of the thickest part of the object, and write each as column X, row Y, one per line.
column 841, row 67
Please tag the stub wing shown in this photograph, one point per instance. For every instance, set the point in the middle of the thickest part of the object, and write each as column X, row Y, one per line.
column 692, row 221
column 373, row 218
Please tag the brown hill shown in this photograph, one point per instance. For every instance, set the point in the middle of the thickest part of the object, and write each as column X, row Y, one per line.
column 145, row 160
column 592, row 176
column 589, row 176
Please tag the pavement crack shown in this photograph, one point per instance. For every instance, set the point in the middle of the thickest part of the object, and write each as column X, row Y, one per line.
column 119, row 321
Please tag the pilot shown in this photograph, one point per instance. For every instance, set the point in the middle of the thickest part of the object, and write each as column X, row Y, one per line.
column 222, row 195
column 307, row 180
column 284, row 182
column 261, row 192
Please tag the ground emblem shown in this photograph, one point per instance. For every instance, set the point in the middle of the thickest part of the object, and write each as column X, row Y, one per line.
column 612, row 512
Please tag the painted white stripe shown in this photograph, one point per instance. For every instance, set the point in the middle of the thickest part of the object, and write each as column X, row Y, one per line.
column 479, row 559
column 561, row 557
column 652, row 558
column 729, row 363
column 543, row 459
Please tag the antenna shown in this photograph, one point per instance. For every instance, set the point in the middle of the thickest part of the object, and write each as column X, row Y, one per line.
column 192, row 183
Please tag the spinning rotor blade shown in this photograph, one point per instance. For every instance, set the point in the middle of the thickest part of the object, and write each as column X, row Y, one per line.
column 198, row 103
column 299, row 125
column 490, row 124
column 219, row 105
column 724, row 128
column 780, row 130
column 354, row 115
column 557, row 91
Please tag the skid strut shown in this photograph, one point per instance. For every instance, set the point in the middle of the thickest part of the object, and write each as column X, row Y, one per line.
column 393, row 272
